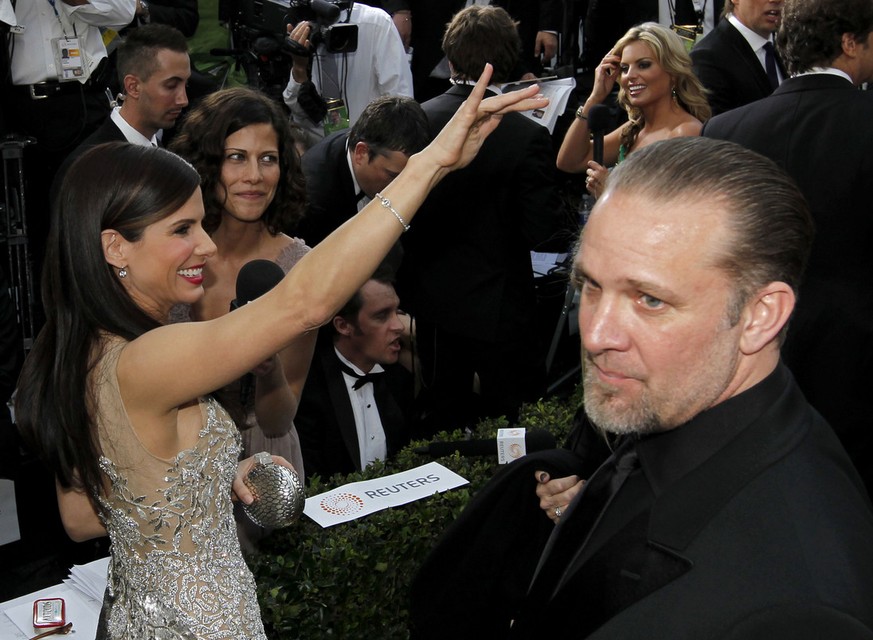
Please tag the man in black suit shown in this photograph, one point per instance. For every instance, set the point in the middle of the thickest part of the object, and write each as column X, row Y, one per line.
column 736, row 60
column 467, row 270
column 816, row 125
column 728, row 509
column 348, row 168
column 153, row 68
column 356, row 405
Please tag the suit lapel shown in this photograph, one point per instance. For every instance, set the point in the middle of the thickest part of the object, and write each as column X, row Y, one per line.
column 339, row 396
column 747, row 57
column 389, row 413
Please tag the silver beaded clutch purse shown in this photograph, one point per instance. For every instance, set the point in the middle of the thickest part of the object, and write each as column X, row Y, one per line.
column 279, row 495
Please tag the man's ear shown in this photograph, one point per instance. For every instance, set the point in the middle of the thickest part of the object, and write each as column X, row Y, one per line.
column 764, row 316
column 850, row 45
column 342, row 326
column 114, row 248
column 361, row 154
column 131, row 85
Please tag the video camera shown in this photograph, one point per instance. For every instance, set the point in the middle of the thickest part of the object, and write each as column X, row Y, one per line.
column 324, row 17
column 260, row 17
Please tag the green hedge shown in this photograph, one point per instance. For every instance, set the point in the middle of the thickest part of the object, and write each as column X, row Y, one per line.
column 352, row 580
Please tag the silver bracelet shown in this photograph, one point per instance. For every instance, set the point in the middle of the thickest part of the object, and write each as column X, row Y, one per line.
column 387, row 204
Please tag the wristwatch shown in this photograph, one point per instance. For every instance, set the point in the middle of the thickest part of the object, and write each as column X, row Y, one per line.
column 581, row 115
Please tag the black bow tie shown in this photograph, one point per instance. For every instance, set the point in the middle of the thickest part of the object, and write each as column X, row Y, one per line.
column 361, row 195
column 361, row 379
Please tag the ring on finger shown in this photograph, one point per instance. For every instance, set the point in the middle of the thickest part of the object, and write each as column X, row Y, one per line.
column 558, row 512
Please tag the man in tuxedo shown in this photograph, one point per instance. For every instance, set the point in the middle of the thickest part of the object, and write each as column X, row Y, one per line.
column 736, row 61
column 356, row 403
column 816, row 125
column 348, row 168
column 467, row 271
column 153, row 68
column 728, row 509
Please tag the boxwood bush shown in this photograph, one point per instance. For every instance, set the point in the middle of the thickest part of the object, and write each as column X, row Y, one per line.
column 352, row 580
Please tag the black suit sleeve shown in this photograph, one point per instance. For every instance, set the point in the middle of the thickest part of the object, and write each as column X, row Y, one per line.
column 551, row 16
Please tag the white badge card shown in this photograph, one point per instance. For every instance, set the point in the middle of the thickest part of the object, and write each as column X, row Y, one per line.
column 70, row 59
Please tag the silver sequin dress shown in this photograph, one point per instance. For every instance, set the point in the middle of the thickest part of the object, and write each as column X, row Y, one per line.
column 176, row 570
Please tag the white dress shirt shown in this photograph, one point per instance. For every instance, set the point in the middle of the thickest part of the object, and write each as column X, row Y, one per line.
column 130, row 134
column 371, row 435
column 755, row 41
column 379, row 67
column 32, row 50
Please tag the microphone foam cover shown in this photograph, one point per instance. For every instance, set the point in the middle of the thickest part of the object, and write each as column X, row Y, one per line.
column 599, row 118
column 256, row 278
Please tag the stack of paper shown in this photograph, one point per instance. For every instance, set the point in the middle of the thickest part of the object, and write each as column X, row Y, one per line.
column 90, row 580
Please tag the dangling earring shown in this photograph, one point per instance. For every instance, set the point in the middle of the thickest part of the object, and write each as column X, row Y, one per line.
column 673, row 94
column 122, row 273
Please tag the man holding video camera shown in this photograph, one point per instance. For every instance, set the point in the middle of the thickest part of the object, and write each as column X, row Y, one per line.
column 345, row 55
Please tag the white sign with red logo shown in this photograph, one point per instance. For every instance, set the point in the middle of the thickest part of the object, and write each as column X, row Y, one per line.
column 359, row 499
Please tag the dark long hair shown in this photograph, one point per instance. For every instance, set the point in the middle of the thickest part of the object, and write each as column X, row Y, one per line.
column 116, row 186
column 202, row 138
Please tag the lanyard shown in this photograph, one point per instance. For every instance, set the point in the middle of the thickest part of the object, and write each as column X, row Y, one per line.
column 60, row 22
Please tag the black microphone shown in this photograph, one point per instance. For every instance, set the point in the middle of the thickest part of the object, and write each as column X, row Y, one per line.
column 599, row 121
column 534, row 440
column 254, row 280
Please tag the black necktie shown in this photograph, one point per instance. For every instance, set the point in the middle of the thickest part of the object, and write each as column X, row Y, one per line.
column 361, row 379
column 581, row 518
column 770, row 64
column 361, row 195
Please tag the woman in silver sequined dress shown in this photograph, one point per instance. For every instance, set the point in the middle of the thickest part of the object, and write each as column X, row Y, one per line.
column 116, row 402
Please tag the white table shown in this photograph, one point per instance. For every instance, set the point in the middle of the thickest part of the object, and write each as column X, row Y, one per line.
column 16, row 615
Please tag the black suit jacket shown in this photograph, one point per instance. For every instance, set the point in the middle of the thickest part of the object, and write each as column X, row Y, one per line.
column 767, row 538
column 329, row 189
column 106, row 132
column 467, row 263
column 326, row 423
column 817, row 128
column 727, row 66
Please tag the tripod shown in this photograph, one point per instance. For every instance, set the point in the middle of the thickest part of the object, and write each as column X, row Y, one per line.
column 14, row 235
